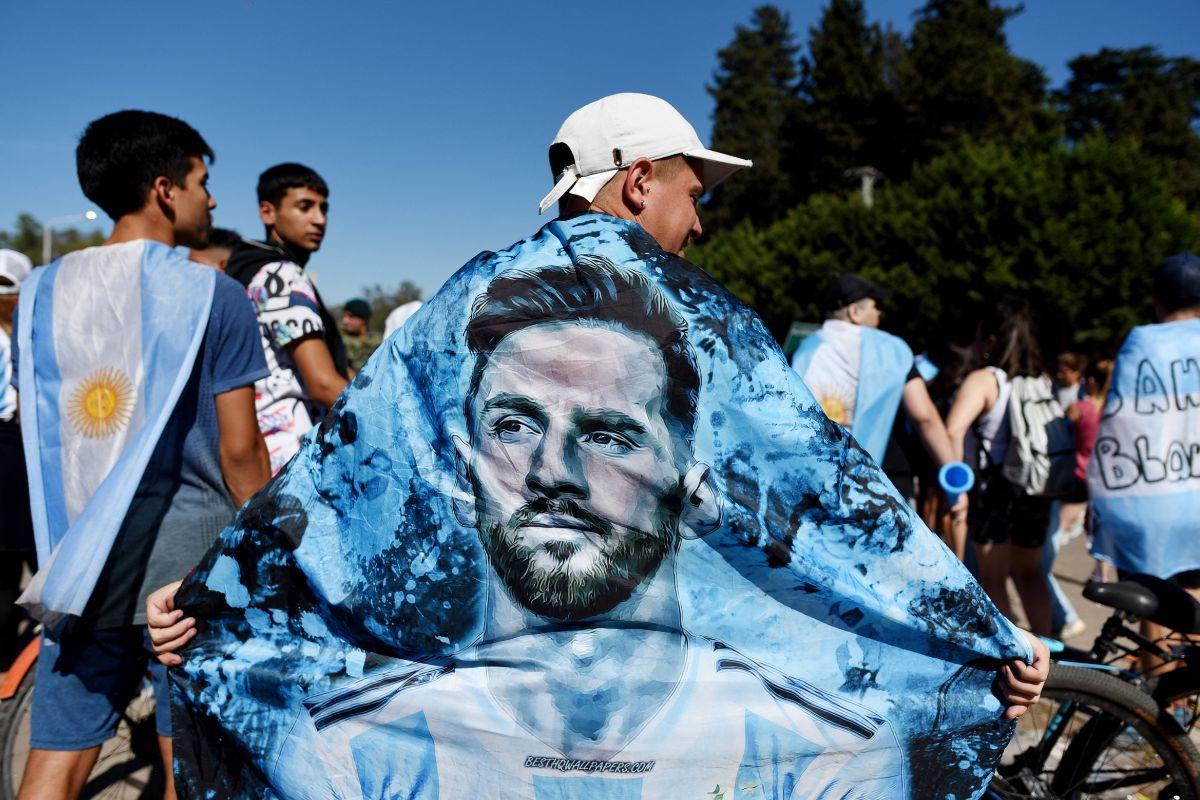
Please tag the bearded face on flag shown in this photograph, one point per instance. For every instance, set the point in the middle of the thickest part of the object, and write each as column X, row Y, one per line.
column 577, row 480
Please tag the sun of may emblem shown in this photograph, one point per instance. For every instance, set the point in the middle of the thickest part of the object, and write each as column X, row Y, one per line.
column 101, row 403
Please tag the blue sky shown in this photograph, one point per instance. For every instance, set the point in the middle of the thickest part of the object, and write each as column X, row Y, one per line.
column 430, row 121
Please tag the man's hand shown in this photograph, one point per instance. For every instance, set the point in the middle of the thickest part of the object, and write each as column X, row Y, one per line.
column 169, row 629
column 1020, row 683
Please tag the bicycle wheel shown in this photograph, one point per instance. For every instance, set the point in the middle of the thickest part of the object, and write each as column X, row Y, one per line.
column 1093, row 735
column 128, row 766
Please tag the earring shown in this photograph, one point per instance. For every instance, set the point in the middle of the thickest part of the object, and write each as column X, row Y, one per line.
column 643, row 205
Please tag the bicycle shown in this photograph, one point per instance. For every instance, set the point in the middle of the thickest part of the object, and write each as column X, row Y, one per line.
column 1168, row 702
column 129, row 765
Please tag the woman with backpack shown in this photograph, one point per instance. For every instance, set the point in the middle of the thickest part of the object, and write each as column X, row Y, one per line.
column 1005, row 524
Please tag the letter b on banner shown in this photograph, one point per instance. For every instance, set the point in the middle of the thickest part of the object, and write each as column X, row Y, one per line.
column 1117, row 470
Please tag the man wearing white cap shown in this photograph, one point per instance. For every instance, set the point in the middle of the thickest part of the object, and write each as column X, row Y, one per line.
column 635, row 157
column 16, row 529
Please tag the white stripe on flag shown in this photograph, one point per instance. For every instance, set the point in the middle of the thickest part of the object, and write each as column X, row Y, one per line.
column 98, row 346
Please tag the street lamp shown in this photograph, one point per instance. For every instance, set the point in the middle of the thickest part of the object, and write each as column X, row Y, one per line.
column 48, row 225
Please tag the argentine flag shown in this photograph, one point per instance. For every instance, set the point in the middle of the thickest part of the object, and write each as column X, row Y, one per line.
column 107, row 338
column 1144, row 475
column 857, row 374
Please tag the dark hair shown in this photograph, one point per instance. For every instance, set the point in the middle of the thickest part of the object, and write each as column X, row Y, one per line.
column 591, row 290
column 274, row 183
column 1073, row 361
column 1016, row 349
column 120, row 155
column 224, row 238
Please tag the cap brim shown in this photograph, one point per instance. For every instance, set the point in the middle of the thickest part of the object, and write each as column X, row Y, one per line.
column 879, row 293
column 587, row 187
column 716, row 167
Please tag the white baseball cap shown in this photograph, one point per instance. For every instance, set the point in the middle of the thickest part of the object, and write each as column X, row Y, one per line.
column 16, row 267
column 613, row 132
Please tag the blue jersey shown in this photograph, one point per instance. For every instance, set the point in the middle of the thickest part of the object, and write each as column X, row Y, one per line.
column 731, row 728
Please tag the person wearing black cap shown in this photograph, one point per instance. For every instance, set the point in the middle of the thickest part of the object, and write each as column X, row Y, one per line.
column 356, row 335
column 861, row 376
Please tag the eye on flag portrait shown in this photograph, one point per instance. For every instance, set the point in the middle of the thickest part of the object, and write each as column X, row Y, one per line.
column 1144, row 475
column 118, row 330
column 578, row 530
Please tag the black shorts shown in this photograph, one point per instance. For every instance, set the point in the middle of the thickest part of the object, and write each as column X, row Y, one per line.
column 1000, row 513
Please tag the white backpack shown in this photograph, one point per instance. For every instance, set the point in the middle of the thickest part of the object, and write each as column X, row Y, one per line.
column 1041, row 453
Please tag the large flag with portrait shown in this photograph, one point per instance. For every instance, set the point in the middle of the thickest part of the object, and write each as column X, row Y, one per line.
column 107, row 338
column 1144, row 474
column 578, row 531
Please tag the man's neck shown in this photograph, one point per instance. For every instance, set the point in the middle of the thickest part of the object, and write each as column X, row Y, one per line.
column 297, row 255
column 1182, row 314
column 141, row 225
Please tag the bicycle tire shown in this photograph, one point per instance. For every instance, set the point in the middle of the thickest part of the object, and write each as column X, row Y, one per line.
column 13, row 713
column 1171, row 687
column 1129, row 713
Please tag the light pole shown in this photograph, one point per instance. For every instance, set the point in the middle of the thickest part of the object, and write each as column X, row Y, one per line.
column 47, row 230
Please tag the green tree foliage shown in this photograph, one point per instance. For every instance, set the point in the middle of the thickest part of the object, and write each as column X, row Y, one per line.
column 1145, row 97
column 849, row 111
column 26, row 237
column 383, row 300
column 1074, row 229
column 755, row 93
column 959, row 81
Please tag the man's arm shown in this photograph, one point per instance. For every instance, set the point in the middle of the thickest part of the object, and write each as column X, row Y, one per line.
column 919, row 407
column 245, row 463
column 321, row 380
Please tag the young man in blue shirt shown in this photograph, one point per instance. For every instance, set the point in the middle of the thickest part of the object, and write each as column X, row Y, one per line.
column 148, row 172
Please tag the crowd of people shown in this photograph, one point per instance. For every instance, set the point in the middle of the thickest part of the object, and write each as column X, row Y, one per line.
column 270, row 359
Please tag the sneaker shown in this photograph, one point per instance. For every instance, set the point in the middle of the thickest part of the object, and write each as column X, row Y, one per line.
column 1072, row 629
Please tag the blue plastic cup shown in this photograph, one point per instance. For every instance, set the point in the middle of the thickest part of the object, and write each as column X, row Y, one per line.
column 955, row 478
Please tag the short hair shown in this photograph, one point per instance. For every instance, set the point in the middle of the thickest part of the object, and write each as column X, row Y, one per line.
column 121, row 154
column 274, row 183
column 592, row 290
column 1072, row 361
column 224, row 238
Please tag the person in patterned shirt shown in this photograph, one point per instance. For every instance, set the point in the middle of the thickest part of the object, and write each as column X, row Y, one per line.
column 301, row 341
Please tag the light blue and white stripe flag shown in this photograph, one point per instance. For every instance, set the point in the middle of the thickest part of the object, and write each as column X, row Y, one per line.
column 857, row 375
column 1144, row 476
column 107, row 338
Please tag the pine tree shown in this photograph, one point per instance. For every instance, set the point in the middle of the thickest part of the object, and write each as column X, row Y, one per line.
column 1142, row 96
column 960, row 81
column 848, row 113
column 755, row 93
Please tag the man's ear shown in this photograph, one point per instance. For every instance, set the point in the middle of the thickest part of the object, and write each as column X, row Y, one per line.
column 702, row 503
column 463, row 499
column 266, row 212
column 636, row 189
column 162, row 193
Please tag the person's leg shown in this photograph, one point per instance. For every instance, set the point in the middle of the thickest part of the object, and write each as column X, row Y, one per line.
column 84, row 680
column 992, row 562
column 168, row 758
column 162, row 715
column 57, row 774
column 1062, row 613
column 1032, row 587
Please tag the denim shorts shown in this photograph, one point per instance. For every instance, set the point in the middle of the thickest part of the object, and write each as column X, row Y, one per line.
column 86, row 678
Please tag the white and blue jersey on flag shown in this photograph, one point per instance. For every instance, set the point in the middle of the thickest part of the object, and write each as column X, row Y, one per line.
column 857, row 374
column 1144, row 474
column 107, row 337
